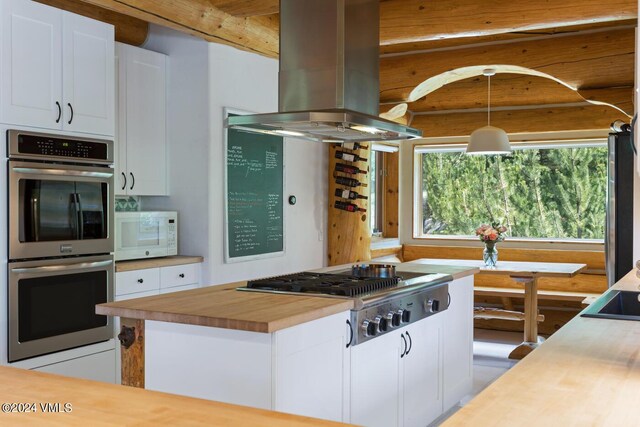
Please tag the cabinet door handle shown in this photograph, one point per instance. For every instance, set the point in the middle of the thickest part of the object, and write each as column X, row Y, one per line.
column 133, row 181
column 71, row 109
column 125, row 181
column 140, row 281
column 350, row 333
column 448, row 300
column 404, row 349
column 59, row 112
column 181, row 275
column 410, row 343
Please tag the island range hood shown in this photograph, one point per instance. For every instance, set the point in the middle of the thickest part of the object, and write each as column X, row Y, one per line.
column 329, row 76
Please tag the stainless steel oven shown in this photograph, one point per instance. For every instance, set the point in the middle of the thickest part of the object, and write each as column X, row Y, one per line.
column 61, row 264
column 60, row 196
column 52, row 304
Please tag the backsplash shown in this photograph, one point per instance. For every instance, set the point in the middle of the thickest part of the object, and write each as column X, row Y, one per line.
column 127, row 204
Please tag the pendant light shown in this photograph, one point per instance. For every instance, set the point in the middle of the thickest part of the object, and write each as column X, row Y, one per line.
column 489, row 140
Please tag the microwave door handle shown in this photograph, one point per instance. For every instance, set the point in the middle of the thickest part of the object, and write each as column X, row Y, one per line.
column 62, row 267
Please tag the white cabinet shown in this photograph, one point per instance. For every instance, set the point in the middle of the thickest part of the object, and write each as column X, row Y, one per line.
column 458, row 342
column 375, row 381
column 303, row 369
column 421, row 379
column 396, row 377
column 154, row 281
column 88, row 75
column 141, row 162
column 97, row 367
column 31, row 64
column 57, row 69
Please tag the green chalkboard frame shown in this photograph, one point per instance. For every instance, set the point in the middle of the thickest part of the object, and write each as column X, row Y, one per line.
column 228, row 257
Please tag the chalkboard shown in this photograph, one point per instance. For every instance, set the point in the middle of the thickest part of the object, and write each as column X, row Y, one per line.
column 254, row 171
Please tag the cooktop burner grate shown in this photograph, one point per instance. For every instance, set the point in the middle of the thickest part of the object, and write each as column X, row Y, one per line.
column 324, row 283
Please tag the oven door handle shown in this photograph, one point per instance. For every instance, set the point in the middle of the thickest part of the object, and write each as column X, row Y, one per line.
column 62, row 267
column 62, row 172
column 80, row 216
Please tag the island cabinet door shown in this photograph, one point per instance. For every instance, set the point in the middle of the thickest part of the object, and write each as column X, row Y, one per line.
column 375, row 381
column 458, row 342
column 311, row 369
column 421, row 373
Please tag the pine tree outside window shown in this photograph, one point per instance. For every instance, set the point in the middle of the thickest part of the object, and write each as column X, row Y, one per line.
column 540, row 191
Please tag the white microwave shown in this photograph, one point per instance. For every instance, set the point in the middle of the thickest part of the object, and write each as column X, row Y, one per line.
column 145, row 235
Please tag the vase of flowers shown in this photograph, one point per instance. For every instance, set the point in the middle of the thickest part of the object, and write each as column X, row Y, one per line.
column 490, row 235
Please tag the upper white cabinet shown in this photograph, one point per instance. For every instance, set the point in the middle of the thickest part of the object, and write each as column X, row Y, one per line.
column 141, row 162
column 57, row 69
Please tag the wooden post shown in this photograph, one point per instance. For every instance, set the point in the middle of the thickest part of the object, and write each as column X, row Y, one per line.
column 132, row 351
column 531, row 339
column 348, row 233
column 391, row 192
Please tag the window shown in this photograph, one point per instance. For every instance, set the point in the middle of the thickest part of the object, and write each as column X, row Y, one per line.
column 555, row 192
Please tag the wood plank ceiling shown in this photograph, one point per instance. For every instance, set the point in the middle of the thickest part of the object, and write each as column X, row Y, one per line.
column 587, row 46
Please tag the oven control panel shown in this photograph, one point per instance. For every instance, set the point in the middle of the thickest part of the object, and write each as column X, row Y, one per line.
column 394, row 313
column 31, row 145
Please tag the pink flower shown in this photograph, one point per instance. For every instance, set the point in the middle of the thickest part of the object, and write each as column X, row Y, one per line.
column 493, row 236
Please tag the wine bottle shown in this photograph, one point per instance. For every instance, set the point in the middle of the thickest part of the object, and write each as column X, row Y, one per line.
column 353, row 145
column 349, row 182
column 349, row 157
column 348, row 194
column 341, row 167
column 349, row 207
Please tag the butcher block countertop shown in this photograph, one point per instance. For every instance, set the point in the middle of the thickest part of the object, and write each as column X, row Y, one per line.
column 94, row 403
column 586, row 374
column 225, row 307
column 167, row 261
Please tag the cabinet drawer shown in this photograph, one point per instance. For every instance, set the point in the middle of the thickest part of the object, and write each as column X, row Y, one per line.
column 129, row 282
column 179, row 275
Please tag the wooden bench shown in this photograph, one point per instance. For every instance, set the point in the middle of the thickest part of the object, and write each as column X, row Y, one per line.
column 508, row 313
column 585, row 298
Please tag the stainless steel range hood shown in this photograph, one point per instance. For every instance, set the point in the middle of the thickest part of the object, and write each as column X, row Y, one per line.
column 328, row 80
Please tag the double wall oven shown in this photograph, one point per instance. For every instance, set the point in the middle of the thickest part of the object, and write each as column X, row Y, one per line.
column 61, row 264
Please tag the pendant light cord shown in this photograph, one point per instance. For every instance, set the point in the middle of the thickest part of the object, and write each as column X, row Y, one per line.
column 489, row 101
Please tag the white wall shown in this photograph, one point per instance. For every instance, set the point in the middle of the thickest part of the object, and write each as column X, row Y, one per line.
column 204, row 78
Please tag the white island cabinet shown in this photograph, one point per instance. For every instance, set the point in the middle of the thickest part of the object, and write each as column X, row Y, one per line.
column 302, row 369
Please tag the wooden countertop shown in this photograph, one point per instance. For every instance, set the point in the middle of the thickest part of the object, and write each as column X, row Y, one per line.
column 587, row 373
column 96, row 403
column 167, row 261
column 225, row 307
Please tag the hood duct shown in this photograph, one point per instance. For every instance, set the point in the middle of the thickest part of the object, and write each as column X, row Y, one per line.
column 329, row 75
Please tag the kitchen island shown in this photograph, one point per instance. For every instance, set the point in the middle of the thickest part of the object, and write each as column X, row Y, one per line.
column 291, row 353
column 587, row 373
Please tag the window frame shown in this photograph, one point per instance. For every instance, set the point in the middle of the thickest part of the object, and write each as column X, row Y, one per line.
column 417, row 214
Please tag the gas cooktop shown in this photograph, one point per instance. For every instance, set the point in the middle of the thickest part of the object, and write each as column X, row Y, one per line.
column 325, row 283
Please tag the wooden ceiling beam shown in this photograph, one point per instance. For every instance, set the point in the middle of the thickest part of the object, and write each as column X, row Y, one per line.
column 409, row 21
column 603, row 59
column 244, row 8
column 128, row 29
column 258, row 34
column 538, row 120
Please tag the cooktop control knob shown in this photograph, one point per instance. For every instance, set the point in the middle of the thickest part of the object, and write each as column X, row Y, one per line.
column 381, row 324
column 397, row 318
column 389, row 320
column 369, row 328
column 406, row 316
column 431, row 305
